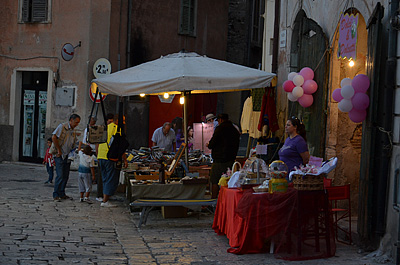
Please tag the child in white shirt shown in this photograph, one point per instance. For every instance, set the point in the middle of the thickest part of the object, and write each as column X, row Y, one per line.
column 86, row 173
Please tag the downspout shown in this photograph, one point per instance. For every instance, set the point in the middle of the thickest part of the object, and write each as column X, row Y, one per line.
column 384, row 138
column 394, row 57
column 128, row 39
column 276, row 37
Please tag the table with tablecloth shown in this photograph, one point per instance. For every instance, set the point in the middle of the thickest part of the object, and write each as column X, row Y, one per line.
column 168, row 191
column 298, row 223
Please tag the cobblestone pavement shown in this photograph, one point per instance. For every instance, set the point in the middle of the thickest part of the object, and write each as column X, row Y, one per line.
column 36, row 230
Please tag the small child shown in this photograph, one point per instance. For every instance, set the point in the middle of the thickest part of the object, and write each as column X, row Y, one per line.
column 86, row 168
column 49, row 162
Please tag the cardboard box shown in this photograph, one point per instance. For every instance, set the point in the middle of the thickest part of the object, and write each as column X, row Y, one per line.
column 173, row 211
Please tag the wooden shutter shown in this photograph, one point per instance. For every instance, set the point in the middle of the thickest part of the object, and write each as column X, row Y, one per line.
column 187, row 21
column 39, row 10
column 185, row 10
column 25, row 11
column 368, row 186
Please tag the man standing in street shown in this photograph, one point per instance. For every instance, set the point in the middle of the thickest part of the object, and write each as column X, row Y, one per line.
column 224, row 146
column 109, row 173
column 64, row 139
column 164, row 137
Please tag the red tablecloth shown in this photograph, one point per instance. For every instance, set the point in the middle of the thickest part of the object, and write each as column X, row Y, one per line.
column 295, row 221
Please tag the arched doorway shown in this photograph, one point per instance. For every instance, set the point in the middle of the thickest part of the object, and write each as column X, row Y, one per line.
column 344, row 137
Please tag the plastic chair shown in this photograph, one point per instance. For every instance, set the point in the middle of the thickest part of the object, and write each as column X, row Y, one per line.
column 335, row 194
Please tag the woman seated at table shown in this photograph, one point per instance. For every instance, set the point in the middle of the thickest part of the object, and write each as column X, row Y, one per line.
column 295, row 151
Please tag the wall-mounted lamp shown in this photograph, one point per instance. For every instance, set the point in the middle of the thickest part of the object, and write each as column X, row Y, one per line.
column 182, row 100
column 351, row 63
column 142, row 95
column 166, row 95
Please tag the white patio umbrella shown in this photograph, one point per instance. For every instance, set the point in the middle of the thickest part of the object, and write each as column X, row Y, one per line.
column 181, row 73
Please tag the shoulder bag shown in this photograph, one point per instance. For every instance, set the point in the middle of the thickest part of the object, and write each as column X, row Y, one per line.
column 97, row 134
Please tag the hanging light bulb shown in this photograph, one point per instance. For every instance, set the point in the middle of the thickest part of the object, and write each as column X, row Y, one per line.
column 142, row 95
column 166, row 95
column 182, row 100
column 351, row 63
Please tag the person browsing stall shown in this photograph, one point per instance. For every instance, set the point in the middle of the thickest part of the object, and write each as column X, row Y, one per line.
column 295, row 151
column 109, row 172
column 64, row 139
column 164, row 137
column 224, row 146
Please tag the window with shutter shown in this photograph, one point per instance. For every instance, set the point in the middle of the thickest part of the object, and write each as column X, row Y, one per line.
column 34, row 11
column 257, row 22
column 188, row 17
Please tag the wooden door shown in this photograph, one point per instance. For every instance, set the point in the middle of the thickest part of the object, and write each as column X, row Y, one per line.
column 309, row 49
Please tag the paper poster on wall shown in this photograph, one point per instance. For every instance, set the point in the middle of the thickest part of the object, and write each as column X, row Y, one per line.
column 202, row 134
column 347, row 45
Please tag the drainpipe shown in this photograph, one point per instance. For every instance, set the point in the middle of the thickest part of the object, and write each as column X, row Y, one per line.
column 395, row 26
column 275, row 47
column 128, row 38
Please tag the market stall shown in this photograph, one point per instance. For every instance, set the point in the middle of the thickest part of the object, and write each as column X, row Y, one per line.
column 183, row 73
column 297, row 223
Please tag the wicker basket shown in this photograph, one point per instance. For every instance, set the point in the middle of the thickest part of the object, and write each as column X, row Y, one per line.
column 308, row 182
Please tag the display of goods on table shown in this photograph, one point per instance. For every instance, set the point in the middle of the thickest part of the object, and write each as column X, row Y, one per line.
column 278, row 172
column 307, row 178
column 147, row 156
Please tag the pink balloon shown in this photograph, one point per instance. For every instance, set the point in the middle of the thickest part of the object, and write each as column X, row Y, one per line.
column 360, row 83
column 337, row 95
column 357, row 115
column 307, row 73
column 306, row 100
column 288, row 86
column 360, row 101
column 310, row 86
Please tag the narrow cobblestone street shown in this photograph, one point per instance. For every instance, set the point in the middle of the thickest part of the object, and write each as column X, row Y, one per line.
column 36, row 230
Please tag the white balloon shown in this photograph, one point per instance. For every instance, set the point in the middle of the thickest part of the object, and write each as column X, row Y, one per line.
column 298, row 91
column 347, row 92
column 345, row 82
column 298, row 80
column 291, row 97
column 291, row 76
column 345, row 105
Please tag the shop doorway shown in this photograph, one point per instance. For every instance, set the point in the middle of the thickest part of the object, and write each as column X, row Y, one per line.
column 33, row 116
column 344, row 137
column 308, row 49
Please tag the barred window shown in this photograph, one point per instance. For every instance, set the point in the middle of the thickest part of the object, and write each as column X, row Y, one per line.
column 187, row 25
column 34, row 11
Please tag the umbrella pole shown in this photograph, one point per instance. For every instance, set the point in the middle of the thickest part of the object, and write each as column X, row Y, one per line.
column 184, row 94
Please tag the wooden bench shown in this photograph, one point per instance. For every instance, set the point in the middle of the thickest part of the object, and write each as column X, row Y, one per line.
column 148, row 204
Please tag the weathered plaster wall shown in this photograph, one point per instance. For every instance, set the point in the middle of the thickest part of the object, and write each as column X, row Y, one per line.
column 90, row 24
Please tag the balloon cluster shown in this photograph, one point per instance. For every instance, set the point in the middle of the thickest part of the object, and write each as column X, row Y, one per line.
column 300, row 87
column 352, row 97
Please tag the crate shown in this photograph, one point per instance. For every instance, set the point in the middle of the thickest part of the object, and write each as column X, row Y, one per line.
column 308, row 182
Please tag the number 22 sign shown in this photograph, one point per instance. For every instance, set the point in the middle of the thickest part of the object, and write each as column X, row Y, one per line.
column 101, row 67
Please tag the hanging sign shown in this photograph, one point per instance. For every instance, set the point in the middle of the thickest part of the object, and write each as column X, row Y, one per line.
column 67, row 52
column 347, row 45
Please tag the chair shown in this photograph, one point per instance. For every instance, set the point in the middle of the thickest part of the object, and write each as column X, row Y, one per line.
column 335, row 194
column 327, row 183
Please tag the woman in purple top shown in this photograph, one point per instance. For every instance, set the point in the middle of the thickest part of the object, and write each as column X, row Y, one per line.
column 295, row 151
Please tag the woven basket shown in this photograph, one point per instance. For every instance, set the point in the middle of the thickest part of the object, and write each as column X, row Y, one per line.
column 308, row 182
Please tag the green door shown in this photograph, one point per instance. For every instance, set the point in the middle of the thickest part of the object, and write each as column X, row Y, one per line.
column 308, row 49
